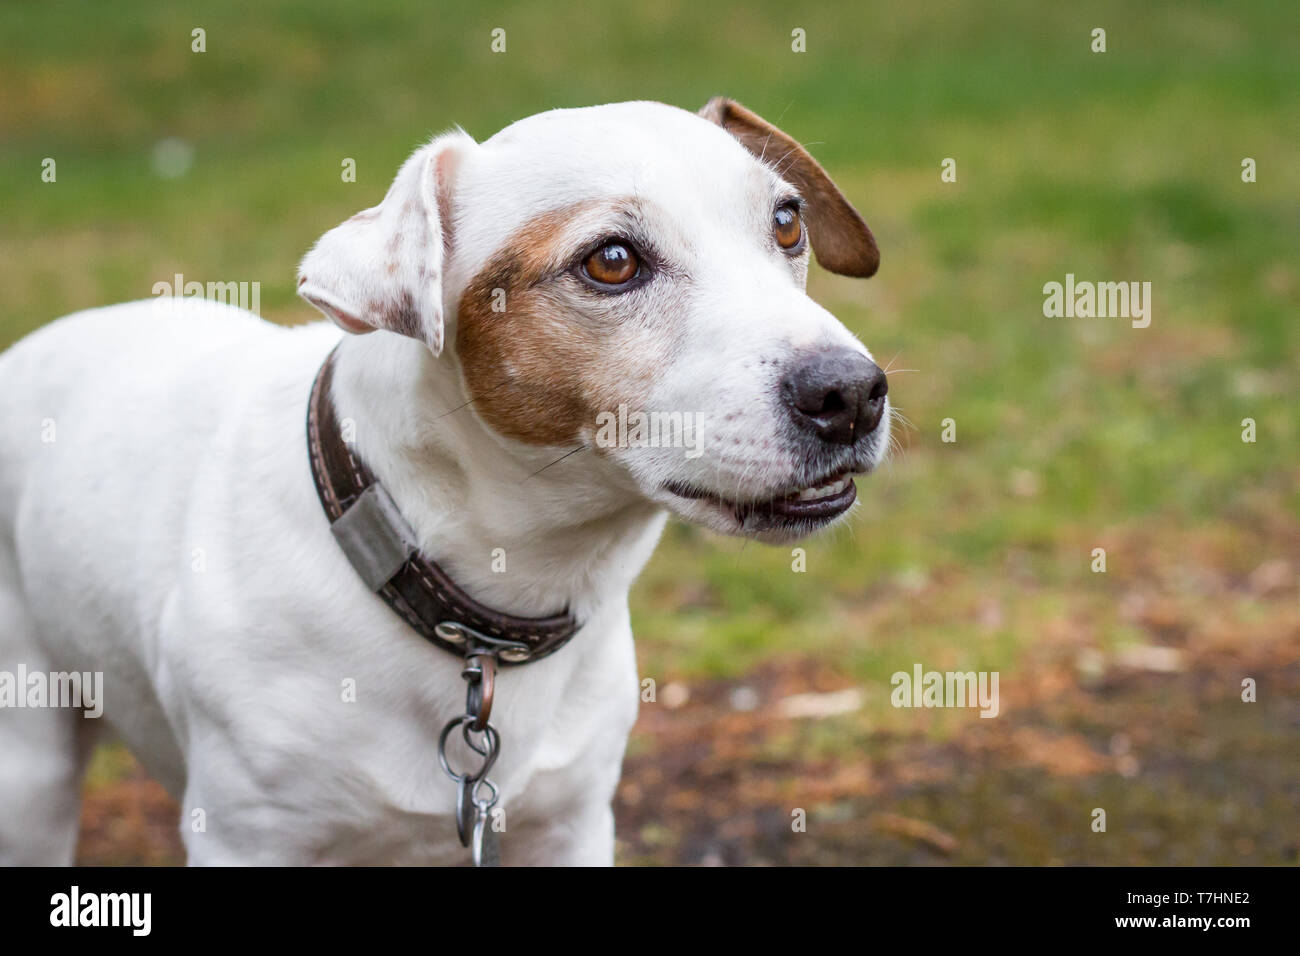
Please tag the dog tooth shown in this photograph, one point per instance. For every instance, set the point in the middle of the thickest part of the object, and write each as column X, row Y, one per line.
column 824, row 491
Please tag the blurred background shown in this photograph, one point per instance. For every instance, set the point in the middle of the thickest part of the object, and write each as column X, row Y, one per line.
column 1120, row 690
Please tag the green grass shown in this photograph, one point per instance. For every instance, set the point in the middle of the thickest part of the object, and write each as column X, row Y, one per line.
column 1071, row 433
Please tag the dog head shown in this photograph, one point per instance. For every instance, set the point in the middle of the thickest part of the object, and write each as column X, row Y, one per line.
column 631, row 278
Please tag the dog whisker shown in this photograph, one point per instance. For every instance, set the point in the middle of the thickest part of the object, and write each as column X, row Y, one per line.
column 896, row 412
column 581, row 447
column 470, row 402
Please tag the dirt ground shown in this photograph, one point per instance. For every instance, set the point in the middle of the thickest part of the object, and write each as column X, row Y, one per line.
column 717, row 772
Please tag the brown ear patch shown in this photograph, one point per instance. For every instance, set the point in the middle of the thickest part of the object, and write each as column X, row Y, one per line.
column 840, row 236
column 399, row 314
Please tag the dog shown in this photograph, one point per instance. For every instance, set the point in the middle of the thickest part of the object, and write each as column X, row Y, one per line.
column 159, row 525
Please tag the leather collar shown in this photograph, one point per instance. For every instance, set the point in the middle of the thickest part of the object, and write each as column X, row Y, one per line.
column 381, row 548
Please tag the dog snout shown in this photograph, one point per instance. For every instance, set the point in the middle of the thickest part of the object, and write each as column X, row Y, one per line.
column 838, row 395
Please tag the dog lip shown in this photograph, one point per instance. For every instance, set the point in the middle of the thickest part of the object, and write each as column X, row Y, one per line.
column 787, row 506
column 819, row 509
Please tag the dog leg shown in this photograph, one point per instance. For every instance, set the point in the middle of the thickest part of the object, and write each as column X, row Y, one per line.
column 229, row 819
column 43, row 750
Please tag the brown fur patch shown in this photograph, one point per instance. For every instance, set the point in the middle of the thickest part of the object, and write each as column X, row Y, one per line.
column 535, row 372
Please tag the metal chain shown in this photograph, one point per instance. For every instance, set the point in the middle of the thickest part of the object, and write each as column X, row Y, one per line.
column 476, row 795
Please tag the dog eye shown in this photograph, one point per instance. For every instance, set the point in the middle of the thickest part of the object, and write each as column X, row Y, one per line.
column 614, row 263
column 787, row 226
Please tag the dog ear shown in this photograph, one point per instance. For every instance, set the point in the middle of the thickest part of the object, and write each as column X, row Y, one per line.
column 382, row 269
column 839, row 235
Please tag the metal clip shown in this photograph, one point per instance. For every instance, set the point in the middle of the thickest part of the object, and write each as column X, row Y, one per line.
column 473, row 804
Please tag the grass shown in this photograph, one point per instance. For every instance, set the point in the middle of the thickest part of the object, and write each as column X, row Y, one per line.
column 1072, row 434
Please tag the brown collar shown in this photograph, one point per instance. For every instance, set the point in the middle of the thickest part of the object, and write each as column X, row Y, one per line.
column 381, row 547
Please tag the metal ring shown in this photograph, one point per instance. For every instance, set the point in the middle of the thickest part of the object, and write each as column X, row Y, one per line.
column 442, row 746
column 491, row 745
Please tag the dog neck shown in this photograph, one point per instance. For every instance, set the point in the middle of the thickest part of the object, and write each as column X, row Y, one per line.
column 522, row 529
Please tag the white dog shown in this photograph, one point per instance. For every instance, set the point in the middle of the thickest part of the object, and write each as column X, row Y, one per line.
column 159, row 523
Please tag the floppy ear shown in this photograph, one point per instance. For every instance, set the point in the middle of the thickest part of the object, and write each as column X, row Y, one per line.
column 382, row 269
column 839, row 236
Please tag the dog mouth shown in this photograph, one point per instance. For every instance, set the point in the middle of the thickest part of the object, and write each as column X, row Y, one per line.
column 804, row 508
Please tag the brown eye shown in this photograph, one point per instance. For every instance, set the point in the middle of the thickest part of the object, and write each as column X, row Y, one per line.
column 787, row 227
column 612, row 264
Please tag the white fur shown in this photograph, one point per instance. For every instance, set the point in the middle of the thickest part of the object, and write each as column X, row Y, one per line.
column 170, row 535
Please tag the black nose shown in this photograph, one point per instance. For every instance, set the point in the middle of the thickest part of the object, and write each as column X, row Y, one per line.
column 839, row 395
